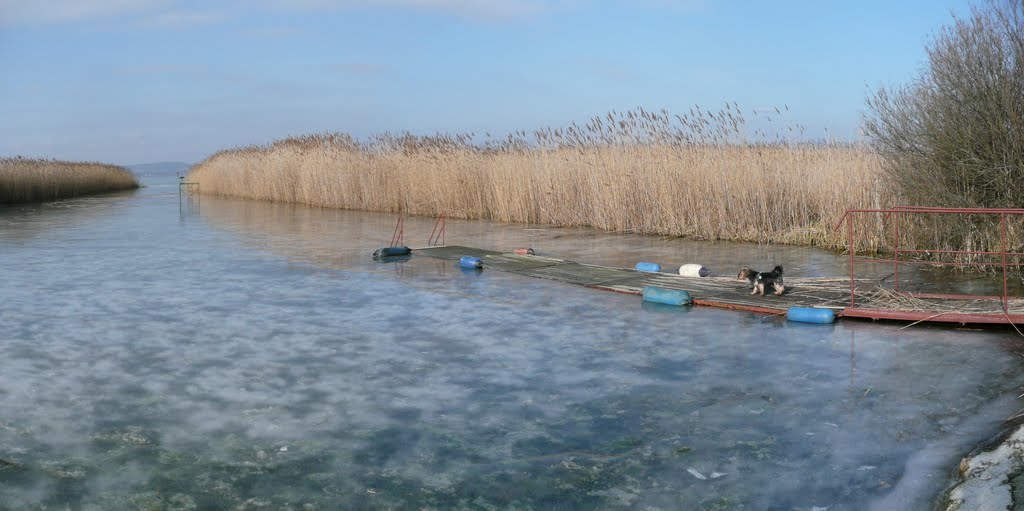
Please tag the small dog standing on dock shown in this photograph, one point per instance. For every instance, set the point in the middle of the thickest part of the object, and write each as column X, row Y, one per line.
column 759, row 281
column 749, row 275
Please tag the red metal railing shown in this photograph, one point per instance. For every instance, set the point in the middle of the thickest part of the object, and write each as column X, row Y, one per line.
column 893, row 215
column 437, row 235
column 396, row 237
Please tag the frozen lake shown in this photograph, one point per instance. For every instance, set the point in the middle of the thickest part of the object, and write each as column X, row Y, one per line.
column 243, row 355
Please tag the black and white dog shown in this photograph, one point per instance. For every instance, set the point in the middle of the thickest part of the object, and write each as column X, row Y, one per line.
column 761, row 280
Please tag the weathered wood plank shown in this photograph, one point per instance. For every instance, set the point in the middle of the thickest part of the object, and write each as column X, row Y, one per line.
column 724, row 290
column 729, row 292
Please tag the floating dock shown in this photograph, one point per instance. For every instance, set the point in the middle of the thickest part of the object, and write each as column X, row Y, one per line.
column 870, row 300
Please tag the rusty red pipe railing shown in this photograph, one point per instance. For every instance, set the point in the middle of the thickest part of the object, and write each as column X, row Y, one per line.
column 399, row 232
column 939, row 263
column 849, row 232
column 431, row 241
column 1002, row 229
column 896, row 251
column 897, row 212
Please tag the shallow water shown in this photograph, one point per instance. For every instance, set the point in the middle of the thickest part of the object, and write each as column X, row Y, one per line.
column 242, row 355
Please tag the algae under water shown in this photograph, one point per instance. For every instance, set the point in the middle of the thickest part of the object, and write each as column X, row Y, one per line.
column 242, row 355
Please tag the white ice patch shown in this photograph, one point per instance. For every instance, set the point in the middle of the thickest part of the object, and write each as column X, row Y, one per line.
column 697, row 474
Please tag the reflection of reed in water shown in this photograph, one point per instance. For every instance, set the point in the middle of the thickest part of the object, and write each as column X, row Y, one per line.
column 326, row 238
column 21, row 222
column 342, row 238
column 952, row 280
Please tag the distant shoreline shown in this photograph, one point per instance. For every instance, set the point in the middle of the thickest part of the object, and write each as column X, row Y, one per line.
column 157, row 169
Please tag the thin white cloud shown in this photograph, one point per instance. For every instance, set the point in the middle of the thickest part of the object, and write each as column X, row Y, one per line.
column 15, row 12
column 488, row 11
column 477, row 10
column 181, row 19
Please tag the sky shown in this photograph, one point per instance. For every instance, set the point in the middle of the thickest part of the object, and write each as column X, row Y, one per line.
column 137, row 81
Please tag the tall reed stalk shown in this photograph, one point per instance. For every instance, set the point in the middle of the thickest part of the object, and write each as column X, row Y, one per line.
column 696, row 175
column 33, row 180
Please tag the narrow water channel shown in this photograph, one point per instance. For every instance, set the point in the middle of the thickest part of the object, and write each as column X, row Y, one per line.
column 243, row 355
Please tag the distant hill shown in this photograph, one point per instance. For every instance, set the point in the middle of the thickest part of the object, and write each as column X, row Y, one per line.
column 163, row 168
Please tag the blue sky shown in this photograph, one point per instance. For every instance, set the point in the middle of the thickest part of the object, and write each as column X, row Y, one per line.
column 134, row 81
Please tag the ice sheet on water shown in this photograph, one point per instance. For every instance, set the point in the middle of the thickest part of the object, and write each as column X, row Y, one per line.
column 258, row 353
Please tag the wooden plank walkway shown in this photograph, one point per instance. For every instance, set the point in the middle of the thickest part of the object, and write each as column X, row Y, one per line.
column 724, row 292
column 727, row 292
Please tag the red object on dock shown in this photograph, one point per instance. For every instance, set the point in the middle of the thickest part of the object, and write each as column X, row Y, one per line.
column 937, row 317
column 893, row 216
column 525, row 251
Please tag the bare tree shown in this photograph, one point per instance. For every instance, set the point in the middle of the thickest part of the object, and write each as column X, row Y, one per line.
column 954, row 136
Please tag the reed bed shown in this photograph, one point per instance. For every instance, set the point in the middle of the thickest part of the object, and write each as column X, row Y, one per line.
column 36, row 180
column 695, row 175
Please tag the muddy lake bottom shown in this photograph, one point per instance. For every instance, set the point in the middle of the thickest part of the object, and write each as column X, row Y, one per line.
column 239, row 355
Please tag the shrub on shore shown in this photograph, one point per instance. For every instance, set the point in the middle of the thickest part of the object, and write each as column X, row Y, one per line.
column 952, row 137
column 37, row 180
column 643, row 172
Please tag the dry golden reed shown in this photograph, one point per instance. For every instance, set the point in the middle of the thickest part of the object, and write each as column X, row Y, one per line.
column 33, row 180
column 642, row 172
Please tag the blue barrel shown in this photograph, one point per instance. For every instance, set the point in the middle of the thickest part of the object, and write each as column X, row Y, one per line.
column 648, row 267
column 660, row 308
column 811, row 315
column 471, row 262
column 666, row 296
column 391, row 252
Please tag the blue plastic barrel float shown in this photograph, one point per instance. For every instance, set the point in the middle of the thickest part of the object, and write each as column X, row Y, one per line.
column 471, row 262
column 811, row 315
column 648, row 267
column 391, row 252
column 666, row 296
column 660, row 308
